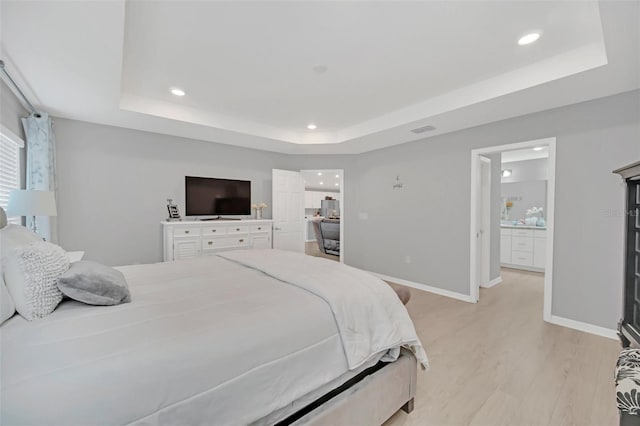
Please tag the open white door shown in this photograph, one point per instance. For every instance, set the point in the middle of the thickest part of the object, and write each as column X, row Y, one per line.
column 288, row 210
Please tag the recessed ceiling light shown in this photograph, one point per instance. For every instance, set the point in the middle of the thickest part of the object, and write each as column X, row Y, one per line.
column 337, row 184
column 321, row 183
column 337, row 176
column 528, row 39
column 311, row 126
column 538, row 148
column 319, row 173
column 178, row 92
column 506, row 173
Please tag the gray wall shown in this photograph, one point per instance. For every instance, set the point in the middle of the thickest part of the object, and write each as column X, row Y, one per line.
column 427, row 220
column 113, row 185
column 11, row 110
column 526, row 170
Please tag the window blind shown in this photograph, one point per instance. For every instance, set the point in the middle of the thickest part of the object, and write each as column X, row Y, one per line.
column 9, row 167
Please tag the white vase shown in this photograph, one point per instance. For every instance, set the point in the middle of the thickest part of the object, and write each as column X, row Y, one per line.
column 258, row 213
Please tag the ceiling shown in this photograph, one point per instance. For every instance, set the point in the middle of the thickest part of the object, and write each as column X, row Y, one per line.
column 321, row 180
column 366, row 73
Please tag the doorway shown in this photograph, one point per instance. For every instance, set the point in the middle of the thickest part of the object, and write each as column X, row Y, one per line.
column 480, row 252
column 324, row 213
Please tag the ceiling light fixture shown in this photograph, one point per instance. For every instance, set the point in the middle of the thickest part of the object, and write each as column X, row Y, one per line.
column 319, row 173
column 321, row 183
column 528, row 39
column 538, row 148
column 337, row 176
column 311, row 126
column 337, row 184
column 178, row 92
column 506, row 173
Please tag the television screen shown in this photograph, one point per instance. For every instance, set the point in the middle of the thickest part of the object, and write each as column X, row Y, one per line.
column 211, row 196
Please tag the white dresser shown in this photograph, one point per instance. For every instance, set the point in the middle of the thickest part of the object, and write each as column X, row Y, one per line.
column 183, row 240
column 523, row 247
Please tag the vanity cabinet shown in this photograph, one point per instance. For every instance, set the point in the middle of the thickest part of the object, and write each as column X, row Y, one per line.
column 523, row 248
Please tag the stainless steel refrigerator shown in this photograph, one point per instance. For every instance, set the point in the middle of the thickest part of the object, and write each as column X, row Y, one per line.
column 330, row 208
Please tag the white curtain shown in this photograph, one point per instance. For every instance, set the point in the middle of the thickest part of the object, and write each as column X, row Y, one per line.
column 41, row 165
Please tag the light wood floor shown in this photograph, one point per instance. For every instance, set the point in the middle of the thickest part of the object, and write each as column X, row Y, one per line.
column 498, row 363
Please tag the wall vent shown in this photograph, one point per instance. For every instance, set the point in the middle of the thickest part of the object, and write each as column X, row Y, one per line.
column 423, row 129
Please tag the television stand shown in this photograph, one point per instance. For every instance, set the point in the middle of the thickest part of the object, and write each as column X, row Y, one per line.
column 221, row 218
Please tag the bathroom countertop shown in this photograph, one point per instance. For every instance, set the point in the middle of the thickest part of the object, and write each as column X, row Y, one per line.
column 524, row 227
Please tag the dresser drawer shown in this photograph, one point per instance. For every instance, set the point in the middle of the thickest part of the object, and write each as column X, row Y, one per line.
column 524, row 258
column 239, row 229
column 522, row 243
column 214, row 230
column 225, row 242
column 522, row 232
column 505, row 231
column 260, row 228
column 186, row 232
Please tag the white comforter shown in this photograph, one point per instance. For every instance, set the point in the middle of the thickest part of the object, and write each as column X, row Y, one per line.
column 368, row 314
column 204, row 341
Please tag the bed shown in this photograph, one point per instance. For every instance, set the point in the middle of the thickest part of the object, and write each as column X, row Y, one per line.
column 254, row 337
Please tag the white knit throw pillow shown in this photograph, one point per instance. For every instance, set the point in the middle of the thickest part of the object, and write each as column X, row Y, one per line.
column 31, row 273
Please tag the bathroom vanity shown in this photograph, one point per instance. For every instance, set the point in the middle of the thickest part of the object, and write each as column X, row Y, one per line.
column 523, row 247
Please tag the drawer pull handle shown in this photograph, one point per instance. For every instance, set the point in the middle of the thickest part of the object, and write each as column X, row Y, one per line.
column 210, row 243
column 213, row 230
column 237, row 229
column 241, row 241
column 259, row 228
column 186, row 232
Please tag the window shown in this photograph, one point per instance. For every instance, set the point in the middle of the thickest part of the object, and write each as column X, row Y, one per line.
column 10, row 145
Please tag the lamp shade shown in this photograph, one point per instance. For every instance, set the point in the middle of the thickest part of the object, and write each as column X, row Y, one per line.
column 31, row 203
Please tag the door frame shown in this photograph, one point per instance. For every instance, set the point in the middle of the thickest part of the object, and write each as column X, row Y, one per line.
column 485, row 221
column 550, row 215
column 342, row 204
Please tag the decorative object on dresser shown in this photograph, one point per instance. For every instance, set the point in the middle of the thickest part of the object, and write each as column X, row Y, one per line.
column 258, row 208
column 174, row 213
column 23, row 202
column 183, row 240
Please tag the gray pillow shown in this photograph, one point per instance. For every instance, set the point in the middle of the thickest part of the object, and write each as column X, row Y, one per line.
column 94, row 283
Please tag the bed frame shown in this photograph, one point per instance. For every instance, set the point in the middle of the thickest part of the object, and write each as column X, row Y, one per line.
column 370, row 398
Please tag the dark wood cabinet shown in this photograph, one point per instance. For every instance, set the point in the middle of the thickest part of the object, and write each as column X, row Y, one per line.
column 629, row 327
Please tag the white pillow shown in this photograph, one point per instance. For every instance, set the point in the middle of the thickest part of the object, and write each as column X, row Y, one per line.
column 7, row 308
column 31, row 273
column 13, row 236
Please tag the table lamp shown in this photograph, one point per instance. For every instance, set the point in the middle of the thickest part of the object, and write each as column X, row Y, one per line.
column 27, row 202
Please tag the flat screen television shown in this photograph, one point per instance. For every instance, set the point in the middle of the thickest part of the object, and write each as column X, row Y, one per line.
column 211, row 196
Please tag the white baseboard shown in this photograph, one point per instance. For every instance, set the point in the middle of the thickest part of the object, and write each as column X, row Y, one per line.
column 493, row 282
column 424, row 287
column 583, row 326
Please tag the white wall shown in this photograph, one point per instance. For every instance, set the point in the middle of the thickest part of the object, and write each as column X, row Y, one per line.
column 113, row 185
